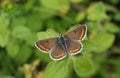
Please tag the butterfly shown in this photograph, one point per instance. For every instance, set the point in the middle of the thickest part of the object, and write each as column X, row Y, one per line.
column 67, row 44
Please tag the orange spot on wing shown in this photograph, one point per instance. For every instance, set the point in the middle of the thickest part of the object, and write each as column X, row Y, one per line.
column 60, row 55
column 44, row 48
column 82, row 33
column 75, row 50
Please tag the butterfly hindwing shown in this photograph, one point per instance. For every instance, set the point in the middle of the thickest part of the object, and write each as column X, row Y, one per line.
column 57, row 52
column 74, row 47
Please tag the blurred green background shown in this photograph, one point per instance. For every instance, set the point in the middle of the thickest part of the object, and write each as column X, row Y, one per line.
column 22, row 22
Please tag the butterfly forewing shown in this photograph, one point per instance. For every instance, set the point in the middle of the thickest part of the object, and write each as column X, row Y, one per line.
column 46, row 44
column 57, row 52
column 78, row 33
column 74, row 47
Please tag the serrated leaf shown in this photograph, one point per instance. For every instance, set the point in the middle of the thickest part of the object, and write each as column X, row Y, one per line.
column 103, row 40
column 83, row 66
column 4, row 36
column 57, row 69
column 12, row 48
column 47, row 34
column 97, row 12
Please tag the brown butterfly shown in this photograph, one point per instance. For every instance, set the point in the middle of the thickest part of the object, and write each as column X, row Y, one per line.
column 68, row 44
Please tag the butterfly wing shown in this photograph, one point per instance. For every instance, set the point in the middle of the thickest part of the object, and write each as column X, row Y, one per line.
column 78, row 33
column 46, row 44
column 57, row 52
column 74, row 47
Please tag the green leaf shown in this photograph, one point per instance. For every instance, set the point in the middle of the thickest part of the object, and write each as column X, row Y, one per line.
column 47, row 34
column 4, row 21
column 42, row 56
column 30, row 40
column 76, row 1
column 92, row 25
column 29, row 5
column 88, row 46
column 12, row 51
column 80, row 16
column 57, row 69
column 34, row 22
column 112, row 28
column 18, row 21
column 117, row 16
column 45, row 13
column 4, row 36
column 111, row 8
column 21, row 32
column 103, row 40
column 56, row 4
column 57, row 25
column 83, row 66
column 117, row 67
column 24, row 53
column 97, row 12
column 113, row 2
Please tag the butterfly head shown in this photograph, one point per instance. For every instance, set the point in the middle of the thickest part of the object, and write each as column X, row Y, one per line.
column 60, row 35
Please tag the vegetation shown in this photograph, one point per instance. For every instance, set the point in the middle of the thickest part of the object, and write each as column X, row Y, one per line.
column 22, row 22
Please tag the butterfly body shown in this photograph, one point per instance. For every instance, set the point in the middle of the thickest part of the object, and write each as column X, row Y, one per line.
column 62, row 41
column 68, row 44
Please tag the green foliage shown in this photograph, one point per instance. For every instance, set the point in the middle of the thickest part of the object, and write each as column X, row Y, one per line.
column 83, row 66
column 12, row 52
column 22, row 22
column 49, row 33
column 21, row 32
column 89, row 46
column 56, row 4
column 24, row 54
column 4, row 21
column 80, row 17
column 112, row 28
column 4, row 36
column 117, row 16
column 96, row 12
column 4, row 32
column 43, row 56
column 103, row 43
column 54, row 66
